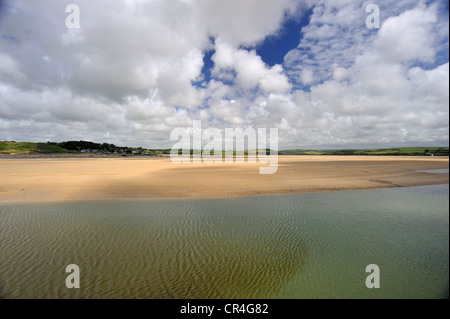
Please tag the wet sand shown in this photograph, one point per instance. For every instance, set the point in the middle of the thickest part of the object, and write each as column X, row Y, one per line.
column 72, row 179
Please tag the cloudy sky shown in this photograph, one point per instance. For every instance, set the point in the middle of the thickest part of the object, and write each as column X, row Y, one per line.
column 136, row 69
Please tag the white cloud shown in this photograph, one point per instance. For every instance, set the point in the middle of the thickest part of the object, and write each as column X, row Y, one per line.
column 251, row 71
column 9, row 69
column 408, row 36
column 131, row 72
column 373, row 93
column 306, row 76
column 244, row 22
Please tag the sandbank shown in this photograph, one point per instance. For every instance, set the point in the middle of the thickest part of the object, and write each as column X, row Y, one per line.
column 79, row 179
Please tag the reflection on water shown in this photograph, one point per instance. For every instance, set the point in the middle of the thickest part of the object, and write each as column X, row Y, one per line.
column 284, row 246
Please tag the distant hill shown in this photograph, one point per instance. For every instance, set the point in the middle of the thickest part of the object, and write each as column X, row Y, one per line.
column 27, row 148
column 402, row 151
column 76, row 147
column 71, row 147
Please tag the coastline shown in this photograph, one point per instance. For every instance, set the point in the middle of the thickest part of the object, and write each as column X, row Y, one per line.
column 49, row 179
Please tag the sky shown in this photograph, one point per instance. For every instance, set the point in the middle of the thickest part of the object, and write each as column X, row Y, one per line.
column 134, row 70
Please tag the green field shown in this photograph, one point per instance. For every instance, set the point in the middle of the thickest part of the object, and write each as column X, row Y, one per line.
column 29, row 148
column 401, row 151
column 10, row 147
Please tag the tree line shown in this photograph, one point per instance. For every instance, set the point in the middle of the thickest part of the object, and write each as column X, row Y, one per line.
column 80, row 146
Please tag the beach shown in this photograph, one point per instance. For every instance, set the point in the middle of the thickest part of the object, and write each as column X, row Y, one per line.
column 146, row 228
column 74, row 179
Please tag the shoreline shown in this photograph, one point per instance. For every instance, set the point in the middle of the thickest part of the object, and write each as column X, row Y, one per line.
column 53, row 179
column 149, row 199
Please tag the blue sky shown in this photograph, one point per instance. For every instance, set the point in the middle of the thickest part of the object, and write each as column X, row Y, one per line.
column 135, row 70
column 273, row 48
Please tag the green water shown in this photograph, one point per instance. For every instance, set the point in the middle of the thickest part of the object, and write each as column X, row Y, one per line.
column 283, row 246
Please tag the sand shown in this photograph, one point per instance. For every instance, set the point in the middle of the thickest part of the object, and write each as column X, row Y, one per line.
column 73, row 179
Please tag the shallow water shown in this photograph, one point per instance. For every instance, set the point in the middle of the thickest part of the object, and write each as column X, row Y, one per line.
column 434, row 171
column 279, row 246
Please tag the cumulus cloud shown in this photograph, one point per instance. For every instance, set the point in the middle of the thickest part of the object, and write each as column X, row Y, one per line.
column 244, row 22
column 134, row 70
column 251, row 71
column 375, row 93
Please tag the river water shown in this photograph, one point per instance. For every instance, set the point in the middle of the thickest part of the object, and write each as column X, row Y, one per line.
column 314, row 245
